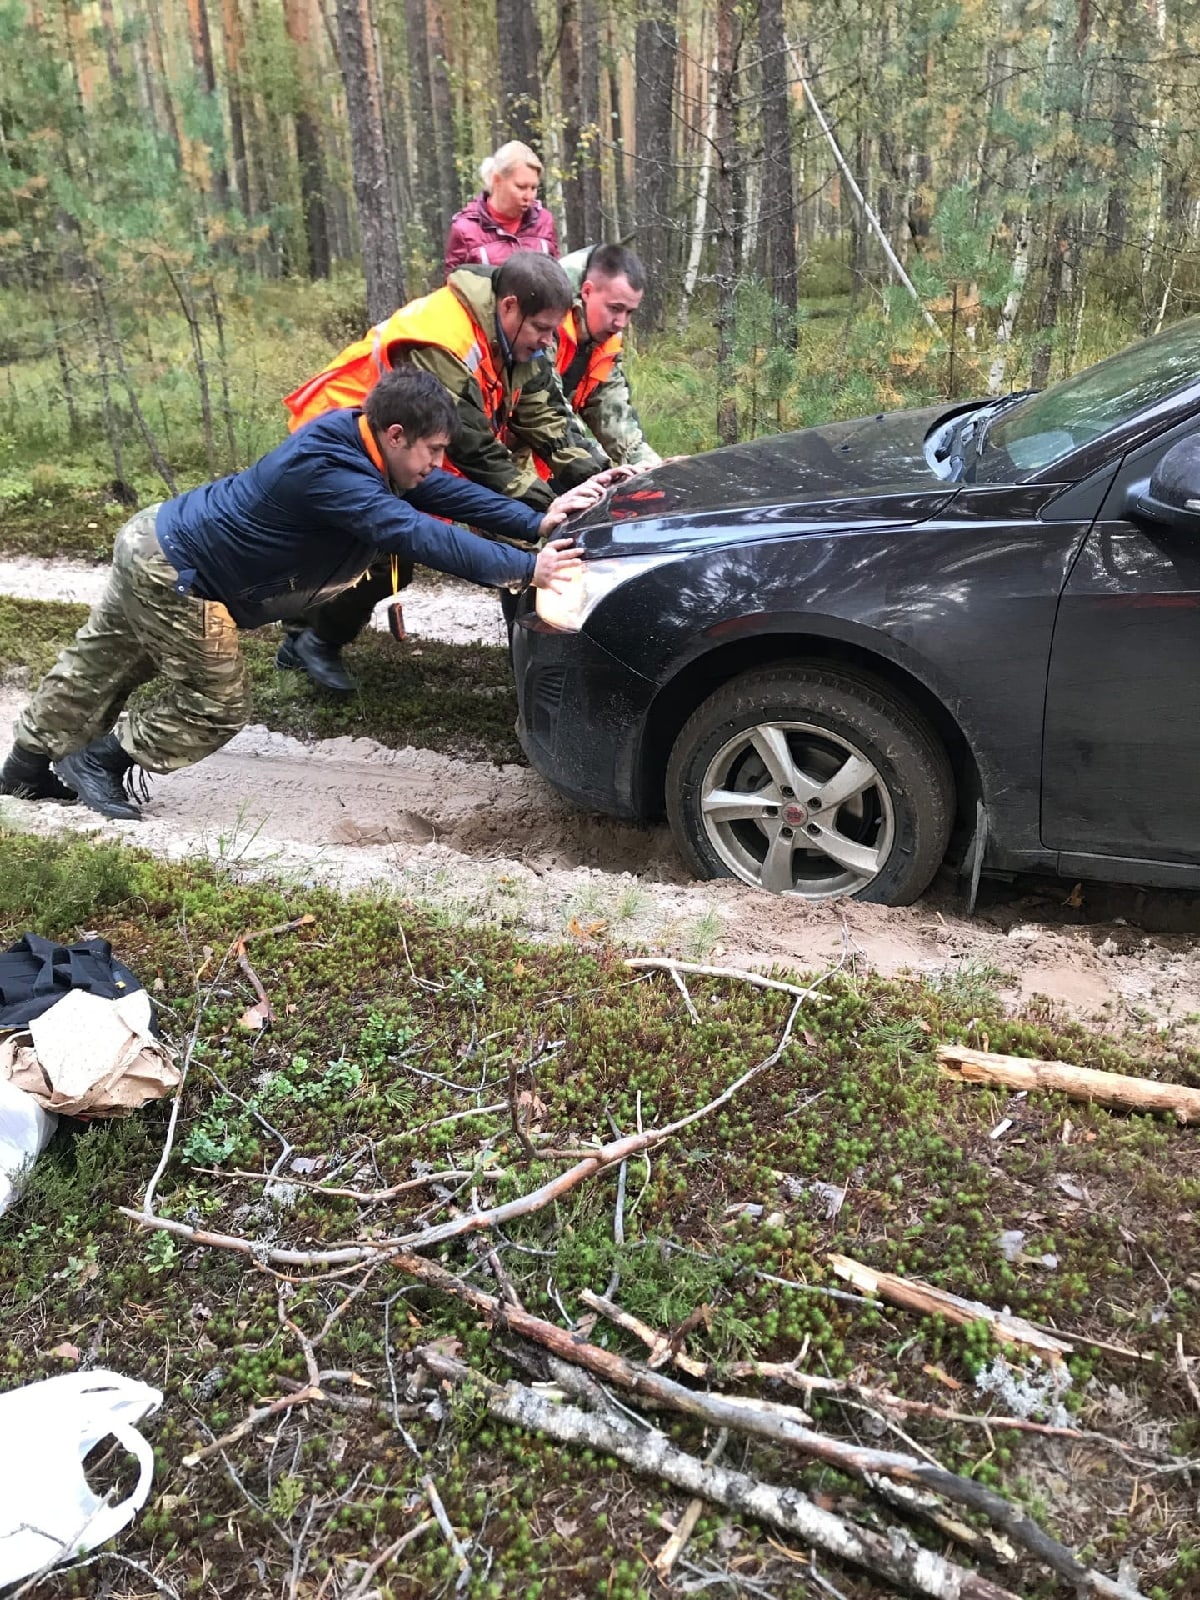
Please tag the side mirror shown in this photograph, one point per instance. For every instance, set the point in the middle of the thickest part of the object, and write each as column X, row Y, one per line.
column 1172, row 496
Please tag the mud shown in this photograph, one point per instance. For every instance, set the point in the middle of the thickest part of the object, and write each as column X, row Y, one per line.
column 495, row 844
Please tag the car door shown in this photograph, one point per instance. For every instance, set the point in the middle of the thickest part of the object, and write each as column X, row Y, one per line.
column 1121, row 737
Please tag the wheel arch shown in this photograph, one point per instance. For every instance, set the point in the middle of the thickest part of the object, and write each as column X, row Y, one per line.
column 707, row 672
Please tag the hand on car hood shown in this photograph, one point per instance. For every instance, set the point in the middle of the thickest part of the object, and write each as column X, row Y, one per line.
column 873, row 469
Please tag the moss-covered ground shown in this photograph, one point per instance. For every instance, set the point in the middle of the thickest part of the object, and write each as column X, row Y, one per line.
column 456, row 699
column 390, row 1025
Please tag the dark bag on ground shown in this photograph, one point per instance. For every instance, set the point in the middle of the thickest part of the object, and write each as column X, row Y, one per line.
column 36, row 973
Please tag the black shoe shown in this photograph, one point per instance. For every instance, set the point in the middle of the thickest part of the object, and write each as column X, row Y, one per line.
column 28, row 776
column 322, row 662
column 97, row 773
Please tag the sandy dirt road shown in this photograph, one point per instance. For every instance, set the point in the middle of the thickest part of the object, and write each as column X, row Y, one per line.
column 495, row 843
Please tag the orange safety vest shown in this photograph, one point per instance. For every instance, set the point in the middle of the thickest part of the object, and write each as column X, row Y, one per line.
column 438, row 319
column 600, row 363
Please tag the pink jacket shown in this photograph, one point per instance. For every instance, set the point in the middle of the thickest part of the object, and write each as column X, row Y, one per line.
column 476, row 237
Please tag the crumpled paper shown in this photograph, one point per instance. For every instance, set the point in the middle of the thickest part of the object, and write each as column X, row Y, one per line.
column 90, row 1057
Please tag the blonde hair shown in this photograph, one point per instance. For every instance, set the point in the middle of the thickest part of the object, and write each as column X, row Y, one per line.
column 510, row 155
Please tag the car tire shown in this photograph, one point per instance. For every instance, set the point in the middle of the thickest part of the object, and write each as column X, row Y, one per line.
column 869, row 807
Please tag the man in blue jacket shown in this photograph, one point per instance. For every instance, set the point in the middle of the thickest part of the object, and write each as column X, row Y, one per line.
column 265, row 544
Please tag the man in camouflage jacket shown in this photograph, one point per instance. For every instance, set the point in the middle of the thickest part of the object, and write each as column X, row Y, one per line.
column 609, row 282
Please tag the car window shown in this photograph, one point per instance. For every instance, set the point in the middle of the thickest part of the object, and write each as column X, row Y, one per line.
column 1048, row 426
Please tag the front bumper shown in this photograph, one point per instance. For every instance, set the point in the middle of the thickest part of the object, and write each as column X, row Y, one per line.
column 582, row 714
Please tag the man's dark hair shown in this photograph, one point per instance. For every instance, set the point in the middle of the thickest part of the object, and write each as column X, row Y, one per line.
column 416, row 400
column 615, row 261
column 538, row 282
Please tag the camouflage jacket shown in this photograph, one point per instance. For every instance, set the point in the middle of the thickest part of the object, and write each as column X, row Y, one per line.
column 540, row 423
column 608, row 410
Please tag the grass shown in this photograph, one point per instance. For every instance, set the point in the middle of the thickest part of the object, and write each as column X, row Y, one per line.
column 371, row 1037
column 456, row 699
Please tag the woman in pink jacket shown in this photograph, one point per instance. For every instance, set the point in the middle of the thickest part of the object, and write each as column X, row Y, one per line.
column 506, row 216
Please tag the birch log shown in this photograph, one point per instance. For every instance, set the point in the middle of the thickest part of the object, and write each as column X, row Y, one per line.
column 1080, row 1083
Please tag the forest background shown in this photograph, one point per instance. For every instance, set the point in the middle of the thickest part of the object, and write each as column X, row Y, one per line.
column 843, row 207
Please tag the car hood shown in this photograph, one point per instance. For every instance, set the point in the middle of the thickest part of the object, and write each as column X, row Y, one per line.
column 870, row 471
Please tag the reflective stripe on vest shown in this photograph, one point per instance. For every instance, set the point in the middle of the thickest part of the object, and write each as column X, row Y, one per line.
column 438, row 319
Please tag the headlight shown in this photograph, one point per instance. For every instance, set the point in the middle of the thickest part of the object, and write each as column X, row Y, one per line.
column 570, row 608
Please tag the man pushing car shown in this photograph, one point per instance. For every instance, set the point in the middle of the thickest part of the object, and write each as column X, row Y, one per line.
column 265, row 544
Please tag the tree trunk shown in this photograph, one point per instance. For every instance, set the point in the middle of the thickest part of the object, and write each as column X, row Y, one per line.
column 520, row 43
column 778, row 193
column 108, row 26
column 159, row 76
column 655, row 69
column 1047, row 318
column 700, row 215
column 309, row 156
column 202, row 58
column 727, row 416
column 429, row 199
column 623, row 219
column 443, row 119
column 235, row 51
column 1016, row 287
column 572, row 122
column 589, row 113
column 372, row 186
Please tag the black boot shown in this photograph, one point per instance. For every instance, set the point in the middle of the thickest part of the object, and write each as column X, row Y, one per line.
column 97, row 774
column 28, row 776
column 322, row 662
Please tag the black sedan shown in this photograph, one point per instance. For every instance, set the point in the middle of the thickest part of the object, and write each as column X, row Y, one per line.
column 835, row 655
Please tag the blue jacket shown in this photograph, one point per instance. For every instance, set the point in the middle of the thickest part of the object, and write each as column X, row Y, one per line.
column 312, row 515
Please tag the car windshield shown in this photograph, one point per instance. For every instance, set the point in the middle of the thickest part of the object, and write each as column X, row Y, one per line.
column 1049, row 426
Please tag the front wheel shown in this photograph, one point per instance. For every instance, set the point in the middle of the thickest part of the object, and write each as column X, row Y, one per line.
column 808, row 781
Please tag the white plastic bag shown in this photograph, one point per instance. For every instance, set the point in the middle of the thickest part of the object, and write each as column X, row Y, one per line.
column 48, row 1512
column 25, row 1131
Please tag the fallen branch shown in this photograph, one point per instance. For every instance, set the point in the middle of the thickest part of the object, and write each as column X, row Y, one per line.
column 367, row 1197
column 1115, row 1089
column 251, row 1421
column 675, row 968
column 894, row 1557
column 608, row 1155
column 930, row 1302
column 779, row 1424
column 457, row 1550
column 789, row 1372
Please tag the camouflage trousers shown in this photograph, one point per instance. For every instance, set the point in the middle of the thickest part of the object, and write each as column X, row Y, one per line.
column 140, row 629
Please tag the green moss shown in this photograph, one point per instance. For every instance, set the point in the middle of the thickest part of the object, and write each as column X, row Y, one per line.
column 360, row 1065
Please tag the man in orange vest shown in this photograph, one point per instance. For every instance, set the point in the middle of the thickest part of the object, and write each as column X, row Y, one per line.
column 486, row 337
column 610, row 282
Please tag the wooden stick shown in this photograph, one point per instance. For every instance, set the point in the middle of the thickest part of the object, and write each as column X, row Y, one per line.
column 1115, row 1089
column 363, row 1587
column 677, row 1543
column 893, row 1556
column 930, row 1302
